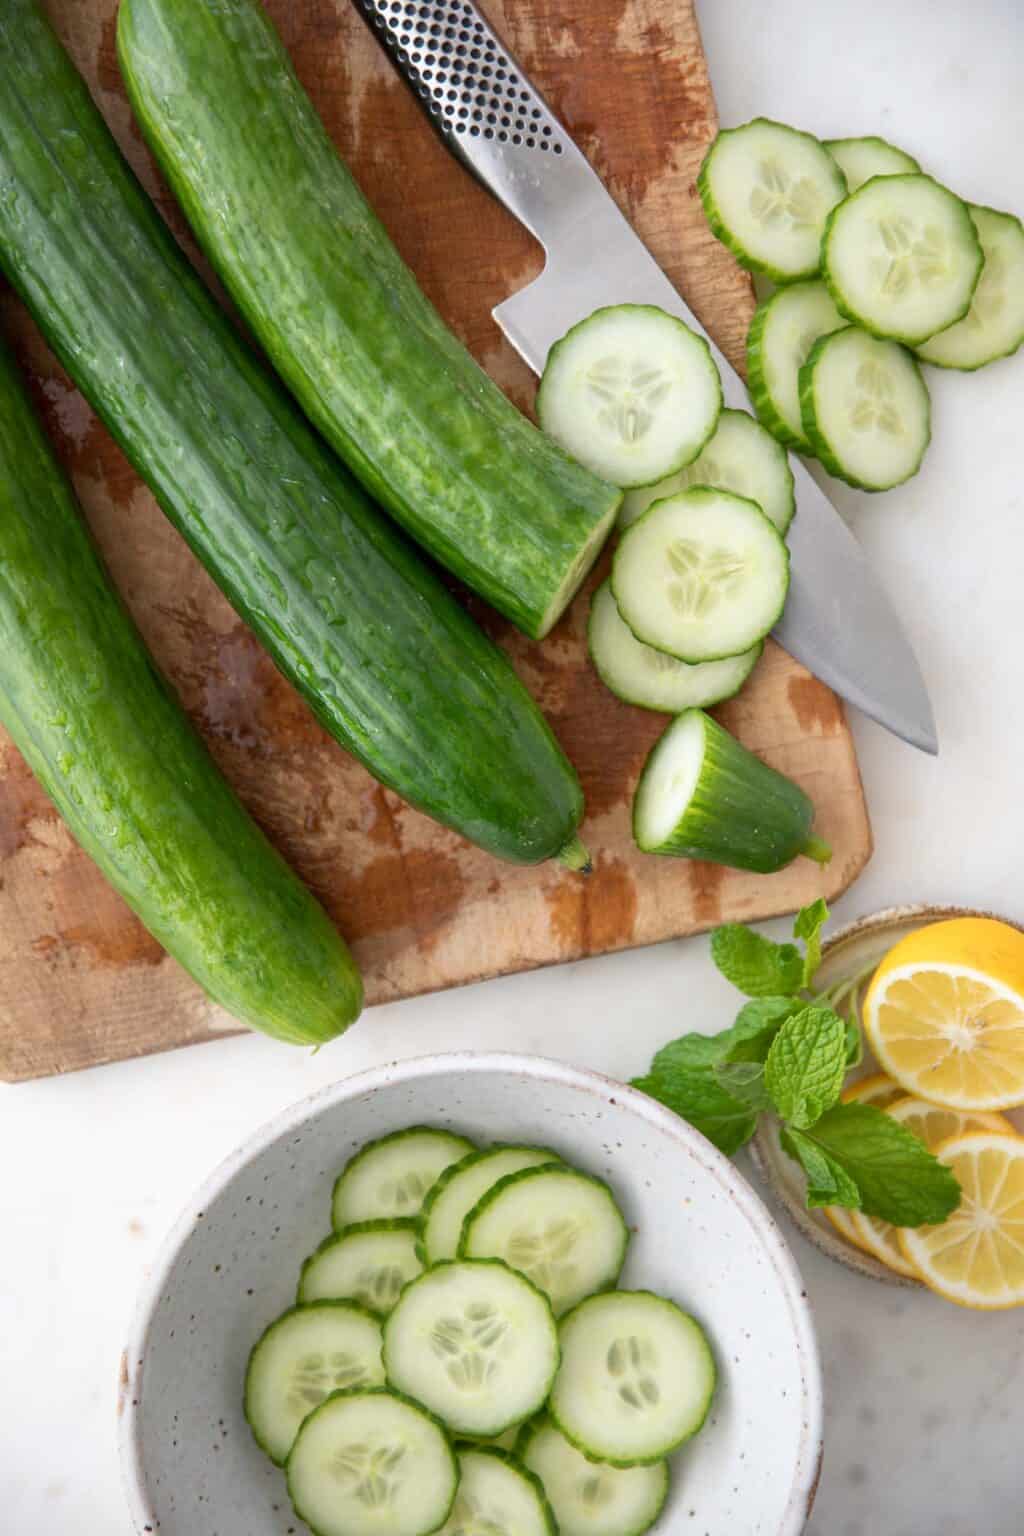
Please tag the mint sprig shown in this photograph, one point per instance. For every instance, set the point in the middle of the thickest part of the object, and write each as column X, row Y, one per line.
column 789, row 1051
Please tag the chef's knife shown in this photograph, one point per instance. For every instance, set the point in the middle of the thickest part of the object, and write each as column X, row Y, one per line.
column 838, row 620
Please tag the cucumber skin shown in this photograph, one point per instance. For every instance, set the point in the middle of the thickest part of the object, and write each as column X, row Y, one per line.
column 511, row 1459
column 105, row 736
column 820, row 446
column 449, row 1173
column 995, row 357
column 383, row 1141
column 340, row 315
column 757, row 388
column 721, row 231
column 391, row 664
column 742, row 814
column 847, row 309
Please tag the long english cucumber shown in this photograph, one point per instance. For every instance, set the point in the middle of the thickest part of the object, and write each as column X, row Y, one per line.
column 391, row 664
column 342, row 318
column 108, row 741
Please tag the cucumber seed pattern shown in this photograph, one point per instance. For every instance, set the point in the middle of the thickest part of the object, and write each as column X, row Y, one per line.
column 367, row 1472
column 470, row 1517
column 779, row 200
column 626, row 395
column 596, row 1491
column 378, row 1286
column 873, row 408
column 911, row 255
column 318, row 1374
column 630, row 1363
column 468, row 1345
column 702, row 577
column 404, row 1195
column 990, row 294
column 545, row 1252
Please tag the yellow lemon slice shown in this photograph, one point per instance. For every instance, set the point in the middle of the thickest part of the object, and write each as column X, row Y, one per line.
column 932, row 1124
column 944, row 1014
column 976, row 1257
column 877, row 1089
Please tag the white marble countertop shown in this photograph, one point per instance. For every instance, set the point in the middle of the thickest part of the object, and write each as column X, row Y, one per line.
column 925, row 1402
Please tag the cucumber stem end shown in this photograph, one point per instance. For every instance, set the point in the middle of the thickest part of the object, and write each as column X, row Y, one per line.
column 817, row 849
column 575, row 856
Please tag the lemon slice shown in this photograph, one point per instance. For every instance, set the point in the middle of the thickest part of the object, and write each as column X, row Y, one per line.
column 878, row 1089
column 976, row 1257
column 933, row 1124
column 944, row 1014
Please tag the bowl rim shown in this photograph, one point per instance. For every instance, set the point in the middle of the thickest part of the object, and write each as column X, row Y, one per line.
column 807, row 1469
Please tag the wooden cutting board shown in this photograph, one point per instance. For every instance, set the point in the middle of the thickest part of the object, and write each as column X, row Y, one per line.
column 81, row 981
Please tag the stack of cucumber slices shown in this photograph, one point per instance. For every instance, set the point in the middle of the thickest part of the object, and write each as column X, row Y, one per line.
column 459, row 1360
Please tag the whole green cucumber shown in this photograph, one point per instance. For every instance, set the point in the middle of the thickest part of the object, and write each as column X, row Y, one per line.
column 391, row 664
column 342, row 318
column 108, row 741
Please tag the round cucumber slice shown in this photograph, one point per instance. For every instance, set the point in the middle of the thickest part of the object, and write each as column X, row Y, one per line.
column 458, row 1190
column 781, row 334
column 631, row 392
column 369, row 1262
column 704, row 796
column 560, row 1228
column 865, row 409
column 767, row 190
column 902, row 258
column 702, row 575
column 366, row 1462
column 590, row 1499
column 860, row 159
column 498, row 1497
column 392, row 1176
column 639, row 674
column 739, row 456
column 305, row 1355
column 636, row 1378
column 474, row 1341
column 993, row 327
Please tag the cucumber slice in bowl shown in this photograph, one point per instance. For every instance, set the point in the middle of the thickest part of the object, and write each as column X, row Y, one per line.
column 767, row 190
column 640, row 675
column 636, row 1378
column 781, row 335
column 560, row 1228
column 591, row 1499
column 369, row 1262
column 860, row 159
column 993, row 327
column 866, row 409
column 393, row 1175
column 902, row 258
column 458, row 1190
column 631, row 392
column 305, row 1355
column 739, row 456
column 366, row 1462
column 702, row 575
column 704, row 796
column 497, row 1497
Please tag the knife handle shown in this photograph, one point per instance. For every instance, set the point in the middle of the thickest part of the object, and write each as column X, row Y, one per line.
column 484, row 107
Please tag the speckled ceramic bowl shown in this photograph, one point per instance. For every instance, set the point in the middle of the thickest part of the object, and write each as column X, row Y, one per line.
column 701, row 1236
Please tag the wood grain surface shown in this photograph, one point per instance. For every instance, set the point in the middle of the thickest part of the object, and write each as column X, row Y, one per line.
column 81, row 981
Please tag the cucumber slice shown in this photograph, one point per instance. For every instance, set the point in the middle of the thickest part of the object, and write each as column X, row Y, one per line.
column 865, row 409
column 993, row 327
column 781, row 334
column 392, row 1176
column 703, row 574
column 767, row 190
column 589, row 1499
column 369, row 1262
column 902, row 258
column 740, row 456
column 559, row 1227
column 458, row 1190
column 636, row 1378
column 498, row 1497
column 631, row 392
column 476, row 1343
column 703, row 796
column 305, row 1355
column 368, row 1462
column 860, row 159
column 641, row 675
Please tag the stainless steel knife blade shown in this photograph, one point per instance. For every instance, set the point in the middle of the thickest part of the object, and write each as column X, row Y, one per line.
column 838, row 621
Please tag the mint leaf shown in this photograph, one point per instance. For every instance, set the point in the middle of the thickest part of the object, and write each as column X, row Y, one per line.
column 754, row 964
column 898, row 1178
column 806, row 1065
column 682, row 1077
column 807, row 925
column 757, row 1024
column 744, row 1080
column 828, row 1183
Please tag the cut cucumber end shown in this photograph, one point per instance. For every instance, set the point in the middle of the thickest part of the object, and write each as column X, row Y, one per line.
column 817, row 849
column 576, row 856
column 578, row 571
